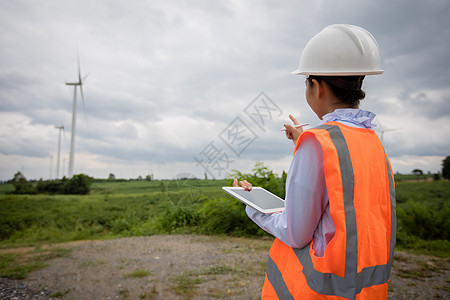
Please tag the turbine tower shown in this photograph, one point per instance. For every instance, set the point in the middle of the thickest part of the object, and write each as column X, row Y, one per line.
column 59, row 150
column 74, row 115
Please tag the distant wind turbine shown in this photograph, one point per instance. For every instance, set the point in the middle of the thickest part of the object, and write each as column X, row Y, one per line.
column 383, row 130
column 59, row 150
column 64, row 166
column 51, row 166
column 74, row 114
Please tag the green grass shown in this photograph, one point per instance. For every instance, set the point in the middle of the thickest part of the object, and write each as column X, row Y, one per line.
column 93, row 263
column 138, row 274
column 18, row 265
column 409, row 177
column 60, row 294
column 419, row 268
column 138, row 208
column 423, row 217
column 26, row 220
column 167, row 186
column 215, row 270
column 36, row 219
column 186, row 283
column 6, row 188
column 11, row 268
column 433, row 191
column 134, row 208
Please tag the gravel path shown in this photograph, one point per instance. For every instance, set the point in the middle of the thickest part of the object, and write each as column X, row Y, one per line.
column 15, row 289
column 190, row 267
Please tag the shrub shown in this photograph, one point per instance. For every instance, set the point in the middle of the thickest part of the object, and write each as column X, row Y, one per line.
column 226, row 216
column 120, row 226
column 175, row 217
column 78, row 185
column 10, row 225
column 428, row 222
column 446, row 168
column 262, row 177
column 50, row 186
column 21, row 185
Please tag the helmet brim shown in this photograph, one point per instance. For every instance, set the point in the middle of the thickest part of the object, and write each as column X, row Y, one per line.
column 339, row 73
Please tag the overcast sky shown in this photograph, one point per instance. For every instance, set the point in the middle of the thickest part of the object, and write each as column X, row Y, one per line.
column 175, row 87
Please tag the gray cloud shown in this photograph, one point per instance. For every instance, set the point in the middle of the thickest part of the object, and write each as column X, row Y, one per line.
column 165, row 78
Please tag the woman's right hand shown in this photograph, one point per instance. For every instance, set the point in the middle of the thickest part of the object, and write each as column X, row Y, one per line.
column 244, row 184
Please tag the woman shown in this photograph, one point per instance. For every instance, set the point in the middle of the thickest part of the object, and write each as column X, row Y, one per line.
column 336, row 236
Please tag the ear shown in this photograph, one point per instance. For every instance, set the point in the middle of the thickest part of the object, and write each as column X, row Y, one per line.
column 318, row 88
column 323, row 89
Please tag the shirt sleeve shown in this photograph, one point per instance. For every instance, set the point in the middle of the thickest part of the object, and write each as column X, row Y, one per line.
column 306, row 198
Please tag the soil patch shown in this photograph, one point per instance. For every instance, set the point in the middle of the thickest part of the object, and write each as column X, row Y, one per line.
column 192, row 267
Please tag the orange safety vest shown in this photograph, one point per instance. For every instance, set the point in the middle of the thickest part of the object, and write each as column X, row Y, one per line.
column 357, row 261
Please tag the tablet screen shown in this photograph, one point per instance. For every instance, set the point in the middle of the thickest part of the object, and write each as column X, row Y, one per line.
column 258, row 198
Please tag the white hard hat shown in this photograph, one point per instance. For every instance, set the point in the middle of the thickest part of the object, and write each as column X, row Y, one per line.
column 340, row 50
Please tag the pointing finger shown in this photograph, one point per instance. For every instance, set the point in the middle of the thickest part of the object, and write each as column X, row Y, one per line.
column 294, row 120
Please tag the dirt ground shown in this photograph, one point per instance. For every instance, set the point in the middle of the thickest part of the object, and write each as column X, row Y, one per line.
column 196, row 267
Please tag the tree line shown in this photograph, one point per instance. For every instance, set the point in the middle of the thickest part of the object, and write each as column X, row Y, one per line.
column 80, row 184
column 77, row 185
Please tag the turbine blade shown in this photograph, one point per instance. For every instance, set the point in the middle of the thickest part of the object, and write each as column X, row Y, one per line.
column 64, row 133
column 82, row 98
column 82, row 95
column 84, row 105
column 85, row 76
column 79, row 67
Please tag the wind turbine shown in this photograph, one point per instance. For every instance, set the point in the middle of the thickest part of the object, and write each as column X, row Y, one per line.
column 385, row 130
column 59, row 150
column 51, row 166
column 74, row 114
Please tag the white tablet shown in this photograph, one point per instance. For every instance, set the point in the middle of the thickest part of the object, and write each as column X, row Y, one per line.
column 258, row 198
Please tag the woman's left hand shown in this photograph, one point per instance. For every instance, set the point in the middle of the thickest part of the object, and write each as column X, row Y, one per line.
column 245, row 184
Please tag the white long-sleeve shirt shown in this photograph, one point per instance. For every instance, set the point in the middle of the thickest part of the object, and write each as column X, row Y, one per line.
column 306, row 215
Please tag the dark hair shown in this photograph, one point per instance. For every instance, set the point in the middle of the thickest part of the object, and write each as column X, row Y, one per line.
column 346, row 88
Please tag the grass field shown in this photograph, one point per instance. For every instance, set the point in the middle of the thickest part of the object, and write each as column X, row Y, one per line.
column 411, row 177
column 172, row 186
column 112, row 209
column 135, row 208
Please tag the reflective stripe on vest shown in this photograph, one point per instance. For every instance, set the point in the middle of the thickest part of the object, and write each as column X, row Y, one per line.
column 353, row 282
